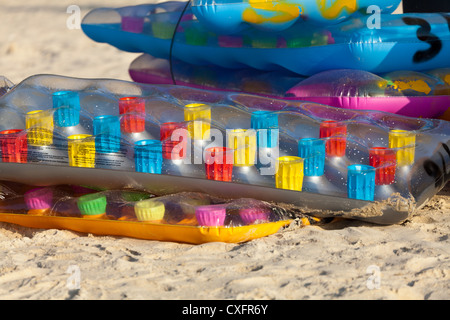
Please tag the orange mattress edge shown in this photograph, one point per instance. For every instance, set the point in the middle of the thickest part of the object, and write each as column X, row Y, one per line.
column 147, row 231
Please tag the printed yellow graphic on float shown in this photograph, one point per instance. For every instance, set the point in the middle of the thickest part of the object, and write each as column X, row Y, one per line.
column 271, row 11
column 416, row 85
column 332, row 9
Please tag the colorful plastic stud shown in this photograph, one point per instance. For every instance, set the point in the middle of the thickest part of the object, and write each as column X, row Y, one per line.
column 149, row 210
column 92, row 205
column 174, row 140
column 14, row 145
column 107, row 133
column 219, row 163
column 132, row 110
column 39, row 125
column 67, row 108
column 199, row 117
column 81, row 149
column 312, row 151
column 404, row 141
column 39, row 201
column 211, row 215
column 361, row 182
column 384, row 160
column 266, row 125
column 148, row 156
column 289, row 174
column 243, row 142
column 336, row 137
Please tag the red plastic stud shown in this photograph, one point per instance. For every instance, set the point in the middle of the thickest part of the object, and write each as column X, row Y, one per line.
column 14, row 145
column 219, row 163
column 384, row 160
column 174, row 141
column 336, row 134
column 132, row 110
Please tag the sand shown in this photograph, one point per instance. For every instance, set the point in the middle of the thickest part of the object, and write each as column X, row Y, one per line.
column 341, row 260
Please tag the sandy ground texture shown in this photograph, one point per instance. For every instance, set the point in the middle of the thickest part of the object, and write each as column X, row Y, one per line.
column 340, row 260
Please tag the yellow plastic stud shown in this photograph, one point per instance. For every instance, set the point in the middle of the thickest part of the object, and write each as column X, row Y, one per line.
column 404, row 141
column 289, row 174
column 149, row 210
column 243, row 142
column 39, row 125
column 199, row 117
column 81, row 150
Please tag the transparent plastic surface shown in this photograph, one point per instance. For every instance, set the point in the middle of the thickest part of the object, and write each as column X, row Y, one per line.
column 147, row 69
column 180, row 138
column 173, row 31
column 5, row 85
column 187, row 208
column 414, row 94
column 183, row 217
column 409, row 93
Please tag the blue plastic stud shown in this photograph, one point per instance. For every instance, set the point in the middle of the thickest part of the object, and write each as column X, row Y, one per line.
column 312, row 151
column 361, row 182
column 148, row 156
column 67, row 108
column 266, row 125
column 107, row 133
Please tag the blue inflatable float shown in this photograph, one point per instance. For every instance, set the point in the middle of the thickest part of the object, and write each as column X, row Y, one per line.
column 377, row 42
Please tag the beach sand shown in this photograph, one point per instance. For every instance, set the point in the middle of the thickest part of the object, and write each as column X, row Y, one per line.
column 340, row 260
